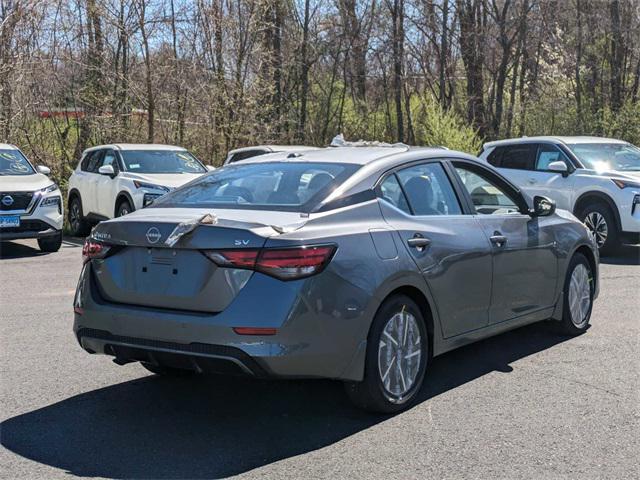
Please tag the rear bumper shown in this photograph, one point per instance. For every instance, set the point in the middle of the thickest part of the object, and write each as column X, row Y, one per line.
column 328, row 342
column 200, row 357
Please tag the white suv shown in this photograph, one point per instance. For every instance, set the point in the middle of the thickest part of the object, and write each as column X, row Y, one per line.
column 113, row 180
column 249, row 152
column 598, row 179
column 30, row 203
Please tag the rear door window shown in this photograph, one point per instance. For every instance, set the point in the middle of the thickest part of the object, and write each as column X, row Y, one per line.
column 428, row 190
column 519, row 157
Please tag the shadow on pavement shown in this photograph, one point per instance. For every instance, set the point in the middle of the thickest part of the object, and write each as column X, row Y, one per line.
column 212, row 427
column 20, row 249
column 626, row 255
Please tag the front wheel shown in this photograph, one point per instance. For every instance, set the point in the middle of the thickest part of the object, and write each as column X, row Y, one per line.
column 124, row 208
column 396, row 358
column 578, row 296
column 602, row 224
column 78, row 225
column 51, row 244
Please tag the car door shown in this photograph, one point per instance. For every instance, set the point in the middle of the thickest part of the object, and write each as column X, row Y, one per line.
column 88, row 183
column 556, row 185
column 524, row 254
column 106, row 186
column 448, row 247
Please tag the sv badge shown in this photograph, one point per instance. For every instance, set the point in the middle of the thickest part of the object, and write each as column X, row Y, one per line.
column 241, row 243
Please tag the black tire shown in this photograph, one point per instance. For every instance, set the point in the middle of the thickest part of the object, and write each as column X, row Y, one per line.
column 124, row 208
column 168, row 371
column 78, row 225
column 370, row 394
column 568, row 325
column 591, row 215
column 51, row 244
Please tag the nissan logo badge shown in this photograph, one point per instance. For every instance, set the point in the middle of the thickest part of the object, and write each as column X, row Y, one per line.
column 153, row 235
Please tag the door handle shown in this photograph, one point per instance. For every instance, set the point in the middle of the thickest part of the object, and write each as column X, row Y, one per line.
column 532, row 181
column 498, row 240
column 419, row 242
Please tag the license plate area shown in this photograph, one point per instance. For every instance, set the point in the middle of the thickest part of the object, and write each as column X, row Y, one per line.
column 9, row 221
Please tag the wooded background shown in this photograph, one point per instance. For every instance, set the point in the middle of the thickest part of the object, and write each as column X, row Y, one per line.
column 212, row 75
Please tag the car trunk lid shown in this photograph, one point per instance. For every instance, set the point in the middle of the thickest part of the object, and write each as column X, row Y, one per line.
column 143, row 269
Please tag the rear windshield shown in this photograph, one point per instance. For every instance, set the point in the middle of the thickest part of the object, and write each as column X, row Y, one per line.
column 12, row 162
column 161, row 161
column 287, row 186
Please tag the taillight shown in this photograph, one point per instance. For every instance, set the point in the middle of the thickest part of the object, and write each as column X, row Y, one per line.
column 92, row 249
column 283, row 263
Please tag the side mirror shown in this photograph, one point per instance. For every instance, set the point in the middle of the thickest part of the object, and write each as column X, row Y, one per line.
column 44, row 170
column 542, row 207
column 211, row 168
column 107, row 170
column 560, row 167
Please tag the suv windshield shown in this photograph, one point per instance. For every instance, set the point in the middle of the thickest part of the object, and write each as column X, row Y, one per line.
column 288, row 186
column 161, row 161
column 608, row 156
column 12, row 162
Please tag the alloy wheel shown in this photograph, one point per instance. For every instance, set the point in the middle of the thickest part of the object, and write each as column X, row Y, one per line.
column 579, row 295
column 596, row 222
column 399, row 355
column 74, row 216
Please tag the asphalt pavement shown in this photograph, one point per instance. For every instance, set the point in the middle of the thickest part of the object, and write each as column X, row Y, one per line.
column 525, row 404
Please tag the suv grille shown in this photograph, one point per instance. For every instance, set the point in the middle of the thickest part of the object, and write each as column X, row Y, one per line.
column 15, row 200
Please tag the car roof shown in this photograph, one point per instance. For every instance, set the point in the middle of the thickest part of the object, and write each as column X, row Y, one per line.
column 273, row 148
column 137, row 146
column 554, row 139
column 355, row 155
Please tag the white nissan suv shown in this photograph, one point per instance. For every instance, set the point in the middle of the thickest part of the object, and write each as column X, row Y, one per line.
column 30, row 202
column 113, row 180
column 598, row 179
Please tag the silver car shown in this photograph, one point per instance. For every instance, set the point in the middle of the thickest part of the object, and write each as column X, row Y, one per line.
column 358, row 264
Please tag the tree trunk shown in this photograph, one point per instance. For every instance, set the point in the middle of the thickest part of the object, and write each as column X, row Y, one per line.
column 617, row 56
column 470, row 15
column 397, row 17
column 304, row 74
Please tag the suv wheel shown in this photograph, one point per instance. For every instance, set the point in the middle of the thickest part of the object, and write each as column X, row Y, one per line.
column 51, row 244
column 599, row 219
column 577, row 297
column 77, row 223
column 124, row 208
column 396, row 359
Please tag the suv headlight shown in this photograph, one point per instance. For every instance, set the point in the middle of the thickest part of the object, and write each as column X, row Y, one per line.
column 150, row 186
column 51, row 188
column 625, row 183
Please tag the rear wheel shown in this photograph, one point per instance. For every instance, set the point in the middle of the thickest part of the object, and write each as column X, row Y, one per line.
column 124, row 208
column 600, row 220
column 167, row 371
column 578, row 296
column 51, row 244
column 396, row 359
column 77, row 223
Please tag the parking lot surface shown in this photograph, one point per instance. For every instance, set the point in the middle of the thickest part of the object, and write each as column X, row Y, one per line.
column 526, row 404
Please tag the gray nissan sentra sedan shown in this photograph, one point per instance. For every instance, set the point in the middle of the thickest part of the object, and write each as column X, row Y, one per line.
column 358, row 264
